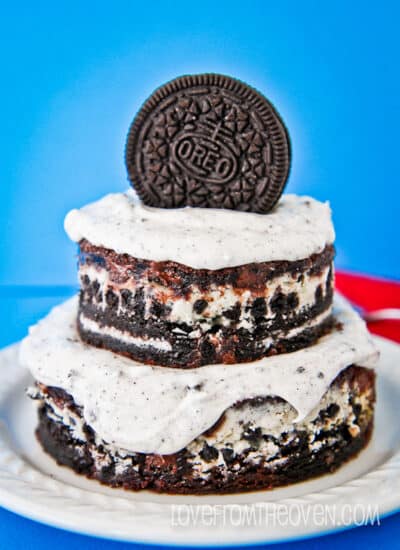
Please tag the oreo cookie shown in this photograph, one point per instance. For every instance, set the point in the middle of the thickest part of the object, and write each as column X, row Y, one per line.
column 208, row 141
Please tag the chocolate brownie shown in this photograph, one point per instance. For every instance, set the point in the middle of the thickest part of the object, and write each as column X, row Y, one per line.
column 246, row 449
column 170, row 314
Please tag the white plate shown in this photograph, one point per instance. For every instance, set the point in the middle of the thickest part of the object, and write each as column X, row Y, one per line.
column 32, row 485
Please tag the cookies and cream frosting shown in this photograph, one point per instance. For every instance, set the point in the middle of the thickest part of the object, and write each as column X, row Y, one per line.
column 151, row 409
column 204, row 238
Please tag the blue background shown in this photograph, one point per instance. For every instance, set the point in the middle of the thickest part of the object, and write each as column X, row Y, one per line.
column 72, row 76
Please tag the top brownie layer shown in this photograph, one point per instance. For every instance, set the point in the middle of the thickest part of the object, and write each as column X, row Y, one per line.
column 168, row 314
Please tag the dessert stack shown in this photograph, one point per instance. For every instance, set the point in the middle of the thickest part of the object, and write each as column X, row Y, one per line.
column 206, row 351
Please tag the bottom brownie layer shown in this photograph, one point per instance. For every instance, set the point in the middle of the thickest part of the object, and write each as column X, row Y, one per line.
column 255, row 445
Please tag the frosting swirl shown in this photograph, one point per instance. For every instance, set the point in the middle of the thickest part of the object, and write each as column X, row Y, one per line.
column 204, row 238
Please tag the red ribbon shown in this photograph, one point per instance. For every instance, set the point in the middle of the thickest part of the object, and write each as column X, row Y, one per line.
column 372, row 293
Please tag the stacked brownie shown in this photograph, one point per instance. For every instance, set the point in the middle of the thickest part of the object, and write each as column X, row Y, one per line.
column 206, row 351
column 169, row 313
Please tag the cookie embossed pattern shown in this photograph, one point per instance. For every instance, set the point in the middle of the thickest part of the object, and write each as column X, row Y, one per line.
column 208, row 141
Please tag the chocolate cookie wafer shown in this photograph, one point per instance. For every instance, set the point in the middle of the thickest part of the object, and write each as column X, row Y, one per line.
column 208, row 141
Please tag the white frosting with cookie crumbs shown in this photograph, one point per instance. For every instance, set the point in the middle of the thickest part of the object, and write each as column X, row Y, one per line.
column 204, row 238
column 153, row 409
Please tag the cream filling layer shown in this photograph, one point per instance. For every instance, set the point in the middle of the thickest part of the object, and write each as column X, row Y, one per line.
column 123, row 336
column 219, row 298
column 163, row 345
column 151, row 409
column 272, row 419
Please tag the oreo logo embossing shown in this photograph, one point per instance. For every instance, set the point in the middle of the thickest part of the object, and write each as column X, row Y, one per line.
column 200, row 156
